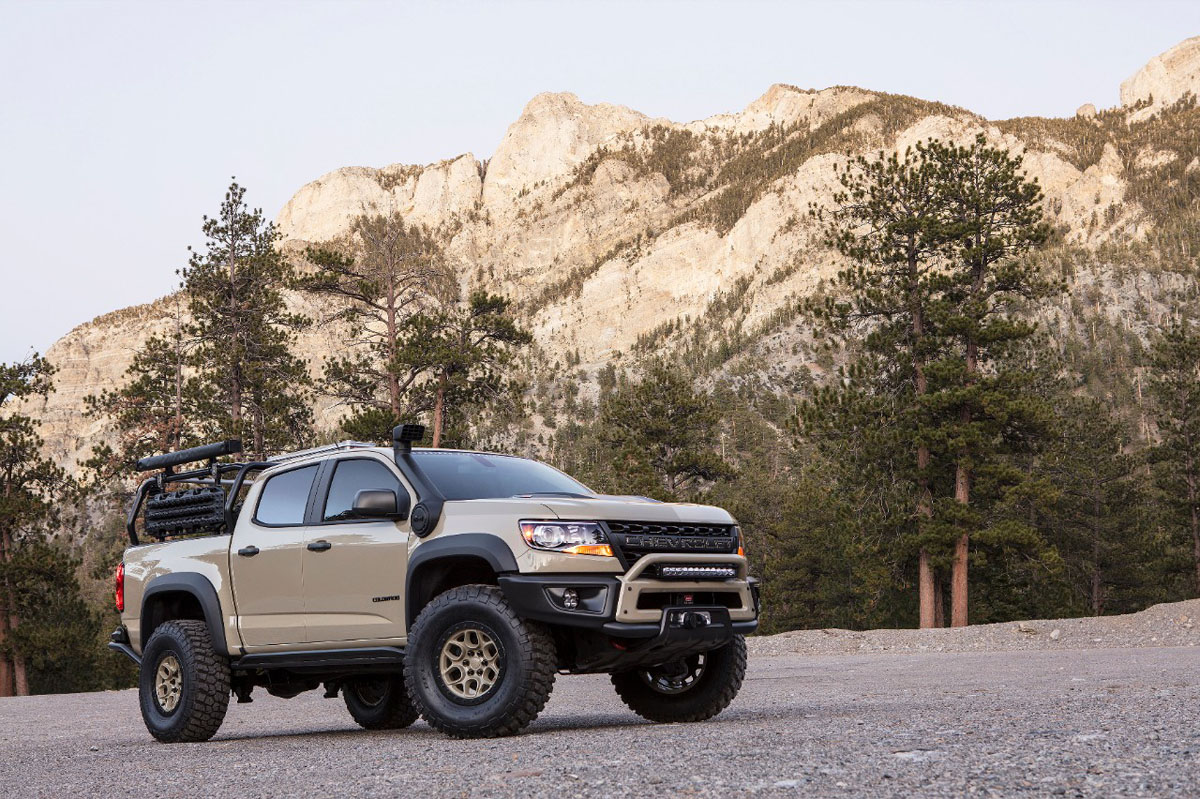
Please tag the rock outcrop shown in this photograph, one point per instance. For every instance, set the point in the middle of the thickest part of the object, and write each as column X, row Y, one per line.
column 1164, row 80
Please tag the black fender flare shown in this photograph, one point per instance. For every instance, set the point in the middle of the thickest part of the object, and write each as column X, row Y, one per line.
column 198, row 586
column 485, row 546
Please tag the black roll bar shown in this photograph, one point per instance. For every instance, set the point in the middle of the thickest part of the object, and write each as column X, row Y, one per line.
column 206, row 452
column 211, row 474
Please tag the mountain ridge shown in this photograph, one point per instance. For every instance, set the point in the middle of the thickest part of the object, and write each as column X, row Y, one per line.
column 609, row 227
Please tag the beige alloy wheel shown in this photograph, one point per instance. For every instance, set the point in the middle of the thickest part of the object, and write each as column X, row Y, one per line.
column 469, row 663
column 168, row 683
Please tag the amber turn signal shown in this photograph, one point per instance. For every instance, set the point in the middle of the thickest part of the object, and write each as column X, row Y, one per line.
column 590, row 549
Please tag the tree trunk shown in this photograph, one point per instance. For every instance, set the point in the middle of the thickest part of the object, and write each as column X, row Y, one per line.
column 177, row 433
column 1196, row 546
column 1190, row 476
column 393, row 378
column 927, row 591
column 962, row 495
column 1097, row 582
column 958, row 574
column 926, row 582
column 6, row 602
column 439, row 409
column 939, row 602
column 20, row 678
column 235, row 396
column 235, row 373
column 6, row 666
column 257, row 423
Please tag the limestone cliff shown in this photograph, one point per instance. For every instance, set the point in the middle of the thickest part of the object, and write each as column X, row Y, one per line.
column 1164, row 80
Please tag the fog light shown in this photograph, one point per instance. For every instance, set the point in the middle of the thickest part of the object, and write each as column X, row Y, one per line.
column 570, row 599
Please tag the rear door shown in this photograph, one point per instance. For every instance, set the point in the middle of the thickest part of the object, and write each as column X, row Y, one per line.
column 266, row 559
column 354, row 569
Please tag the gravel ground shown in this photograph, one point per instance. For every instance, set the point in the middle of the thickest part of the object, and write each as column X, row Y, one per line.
column 1174, row 624
column 1059, row 721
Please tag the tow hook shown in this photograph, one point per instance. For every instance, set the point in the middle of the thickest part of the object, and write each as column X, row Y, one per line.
column 691, row 619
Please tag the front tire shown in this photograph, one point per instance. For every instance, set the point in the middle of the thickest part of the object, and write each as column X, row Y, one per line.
column 183, row 687
column 379, row 703
column 475, row 669
column 694, row 689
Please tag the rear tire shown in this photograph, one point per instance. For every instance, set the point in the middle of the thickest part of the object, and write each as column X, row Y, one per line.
column 379, row 703
column 184, row 684
column 475, row 669
column 696, row 689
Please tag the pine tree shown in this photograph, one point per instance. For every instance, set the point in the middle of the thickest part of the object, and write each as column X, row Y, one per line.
column 465, row 348
column 381, row 274
column 1175, row 387
column 659, row 436
column 251, row 386
column 57, row 640
column 931, row 301
column 890, row 222
column 1098, row 519
column 28, row 485
column 993, row 217
column 852, row 541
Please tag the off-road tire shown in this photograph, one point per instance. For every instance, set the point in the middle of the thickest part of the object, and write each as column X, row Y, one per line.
column 204, row 697
column 380, row 703
column 714, row 689
column 528, row 665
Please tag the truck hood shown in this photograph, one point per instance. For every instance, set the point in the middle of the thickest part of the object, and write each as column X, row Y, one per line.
column 597, row 508
column 639, row 509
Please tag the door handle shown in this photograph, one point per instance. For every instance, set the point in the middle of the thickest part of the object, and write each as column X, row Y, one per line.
column 248, row 552
column 319, row 546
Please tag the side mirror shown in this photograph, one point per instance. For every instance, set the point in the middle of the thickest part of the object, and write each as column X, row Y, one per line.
column 377, row 503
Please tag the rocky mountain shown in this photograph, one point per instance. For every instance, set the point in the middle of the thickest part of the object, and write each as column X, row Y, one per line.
column 617, row 233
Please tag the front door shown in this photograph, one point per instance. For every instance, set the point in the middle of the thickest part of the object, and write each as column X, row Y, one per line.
column 354, row 568
column 266, row 560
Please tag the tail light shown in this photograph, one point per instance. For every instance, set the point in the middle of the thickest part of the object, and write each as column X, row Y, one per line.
column 119, row 586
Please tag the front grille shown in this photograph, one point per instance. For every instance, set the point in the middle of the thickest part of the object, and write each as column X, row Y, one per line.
column 670, row 528
column 632, row 540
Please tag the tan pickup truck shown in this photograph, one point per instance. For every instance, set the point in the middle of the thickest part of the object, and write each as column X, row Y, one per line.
column 445, row 584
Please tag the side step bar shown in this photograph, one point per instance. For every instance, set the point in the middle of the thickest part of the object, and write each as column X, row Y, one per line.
column 378, row 658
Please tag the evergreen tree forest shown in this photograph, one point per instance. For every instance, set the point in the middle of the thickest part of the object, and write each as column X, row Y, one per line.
column 965, row 437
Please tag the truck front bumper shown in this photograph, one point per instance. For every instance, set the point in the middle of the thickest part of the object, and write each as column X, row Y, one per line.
column 633, row 605
column 688, row 623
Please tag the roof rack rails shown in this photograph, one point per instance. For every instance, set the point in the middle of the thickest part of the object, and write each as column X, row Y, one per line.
column 304, row 453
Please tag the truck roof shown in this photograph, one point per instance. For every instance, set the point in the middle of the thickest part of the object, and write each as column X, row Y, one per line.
column 349, row 446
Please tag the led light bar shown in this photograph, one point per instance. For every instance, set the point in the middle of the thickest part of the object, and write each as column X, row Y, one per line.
column 697, row 572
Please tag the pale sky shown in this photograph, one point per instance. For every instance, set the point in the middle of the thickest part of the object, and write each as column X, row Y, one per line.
column 122, row 123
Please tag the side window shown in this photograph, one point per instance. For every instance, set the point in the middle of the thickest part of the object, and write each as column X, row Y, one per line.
column 352, row 476
column 284, row 497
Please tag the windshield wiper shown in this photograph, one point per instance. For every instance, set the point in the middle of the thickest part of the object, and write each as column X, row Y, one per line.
column 569, row 494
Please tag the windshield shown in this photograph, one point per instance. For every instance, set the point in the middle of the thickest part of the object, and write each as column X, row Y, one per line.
column 471, row 475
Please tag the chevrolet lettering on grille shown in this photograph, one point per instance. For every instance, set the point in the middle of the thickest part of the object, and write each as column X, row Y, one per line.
column 673, row 542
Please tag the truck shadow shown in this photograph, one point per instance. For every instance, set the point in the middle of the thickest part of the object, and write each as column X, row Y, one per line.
column 547, row 726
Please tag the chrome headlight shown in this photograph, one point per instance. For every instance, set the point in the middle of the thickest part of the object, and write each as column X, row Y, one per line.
column 575, row 538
